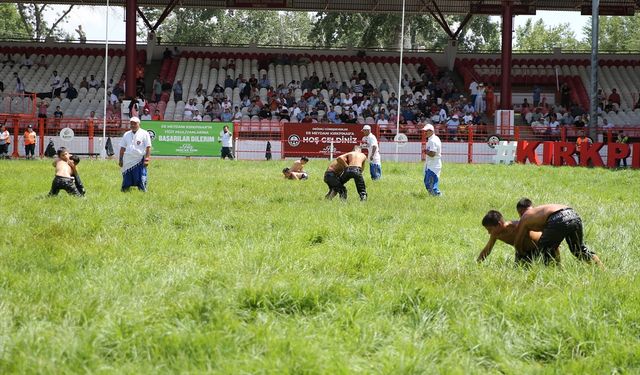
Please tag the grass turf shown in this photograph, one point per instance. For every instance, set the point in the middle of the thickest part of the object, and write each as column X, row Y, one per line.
column 226, row 267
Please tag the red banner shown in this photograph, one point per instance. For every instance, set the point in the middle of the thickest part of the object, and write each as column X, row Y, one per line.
column 314, row 140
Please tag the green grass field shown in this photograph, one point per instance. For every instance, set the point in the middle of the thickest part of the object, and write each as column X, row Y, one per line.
column 225, row 267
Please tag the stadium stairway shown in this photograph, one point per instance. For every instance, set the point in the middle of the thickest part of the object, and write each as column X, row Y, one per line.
column 151, row 71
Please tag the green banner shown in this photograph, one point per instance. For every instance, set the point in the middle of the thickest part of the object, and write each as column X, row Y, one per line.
column 181, row 138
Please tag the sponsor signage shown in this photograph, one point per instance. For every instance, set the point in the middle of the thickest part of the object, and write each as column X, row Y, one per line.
column 566, row 153
column 185, row 138
column 315, row 140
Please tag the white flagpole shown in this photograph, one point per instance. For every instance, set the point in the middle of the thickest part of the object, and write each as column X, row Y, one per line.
column 103, row 151
column 400, row 75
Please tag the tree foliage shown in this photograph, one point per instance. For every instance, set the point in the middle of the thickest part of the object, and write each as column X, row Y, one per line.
column 219, row 26
column 34, row 21
column 616, row 33
column 358, row 30
column 11, row 25
column 535, row 37
column 362, row 30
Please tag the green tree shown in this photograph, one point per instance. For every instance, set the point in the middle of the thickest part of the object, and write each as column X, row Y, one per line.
column 383, row 31
column 540, row 37
column 219, row 26
column 35, row 25
column 616, row 33
column 11, row 25
column 481, row 34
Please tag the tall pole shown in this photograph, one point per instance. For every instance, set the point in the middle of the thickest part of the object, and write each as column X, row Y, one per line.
column 595, row 34
column 507, row 36
column 130, row 90
column 400, row 75
column 103, row 150
column 400, row 70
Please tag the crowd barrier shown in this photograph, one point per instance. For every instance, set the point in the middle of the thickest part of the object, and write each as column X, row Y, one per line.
column 260, row 140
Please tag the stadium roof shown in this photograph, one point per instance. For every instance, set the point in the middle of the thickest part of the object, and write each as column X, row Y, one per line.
column 607, row 7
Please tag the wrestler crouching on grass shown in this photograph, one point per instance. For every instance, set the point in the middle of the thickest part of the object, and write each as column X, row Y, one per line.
column 505, row 231
column 557, row 222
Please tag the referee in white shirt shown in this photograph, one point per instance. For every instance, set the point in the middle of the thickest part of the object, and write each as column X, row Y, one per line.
column 226, row 138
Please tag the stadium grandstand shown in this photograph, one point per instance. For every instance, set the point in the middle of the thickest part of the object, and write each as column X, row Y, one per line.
column 61, row 85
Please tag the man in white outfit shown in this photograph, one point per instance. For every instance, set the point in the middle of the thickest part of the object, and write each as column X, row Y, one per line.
column 433, row 165
column 135, row 154
column 226, row 138
column 370, row 142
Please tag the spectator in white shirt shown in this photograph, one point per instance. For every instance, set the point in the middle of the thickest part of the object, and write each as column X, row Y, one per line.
column 146, row 116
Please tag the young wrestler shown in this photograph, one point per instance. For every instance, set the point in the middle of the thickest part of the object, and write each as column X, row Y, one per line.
column 65, row 168
column 298, row 165
column 505, row 231
column 332, row 179
column 355, row 162
column 556, row 222
column 76, row 175
column 293, row 175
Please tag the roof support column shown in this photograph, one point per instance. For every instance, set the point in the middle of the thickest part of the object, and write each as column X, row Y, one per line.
column 507, row 41
column 130, row 89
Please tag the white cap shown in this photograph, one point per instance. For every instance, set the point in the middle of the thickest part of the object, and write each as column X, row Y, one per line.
column 428, row 127
column 366, row 127
column 134, row 119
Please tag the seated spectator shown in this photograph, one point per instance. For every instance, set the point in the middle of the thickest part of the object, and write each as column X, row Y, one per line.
column 27, row 62
column 84, row 83
column 146, row 116
column 237, row 114
column 42, row 62
column 264, row 113
column 58, row 115
column 65, row 86
column 553, row 127
column 229, row 82
column 226, row 104
column 467, row 118
column 199, row 99
column 384, row 86
column 226, row 116
column 189, row 109
column 42, row 109
column 332, row 116
column 362, row 76
column 452, row 126
column 525, row 104
column 264, row 83
column 614, row 98
column 72, row 93
column 94, row 83
column 113, row 98
column 166, row 54
column 283, row 113
column 156, row 116
column 307, row 118
column 196, row 116
column 383, row 124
